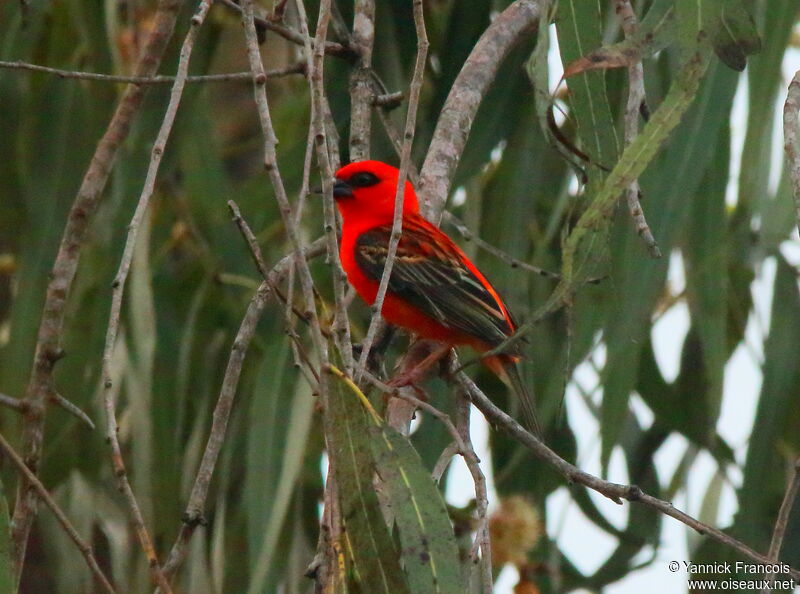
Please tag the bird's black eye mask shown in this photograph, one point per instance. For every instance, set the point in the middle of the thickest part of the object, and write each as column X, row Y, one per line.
column 363, row 179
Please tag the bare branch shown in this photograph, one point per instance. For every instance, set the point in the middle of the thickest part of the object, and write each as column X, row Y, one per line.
column 83, row 547
column 789, row 497
column 119, row 288
column 331, row 47
column 48, row 344
column 290, row 224
column 360, row 80
column 461, row 105
column 468, row 235
column 405, row 161
column 298, row 68
column 13, row 403
column 444, row 460
column 483, row 542
column 636, row 98
column 614, row 491
column 791, row 140
column 72, row 409
column 315, row 60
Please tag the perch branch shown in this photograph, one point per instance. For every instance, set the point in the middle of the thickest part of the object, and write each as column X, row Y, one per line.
column 48, row 344
column 461, row 105
column 83, row 547
column 614, row 491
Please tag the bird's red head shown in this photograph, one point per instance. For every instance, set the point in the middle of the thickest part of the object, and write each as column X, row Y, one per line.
column 365, row 192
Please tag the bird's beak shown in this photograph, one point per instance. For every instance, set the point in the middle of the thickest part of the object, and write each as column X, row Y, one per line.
column 341, row 189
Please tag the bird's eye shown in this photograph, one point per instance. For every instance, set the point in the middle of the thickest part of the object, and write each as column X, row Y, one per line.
column 364, row 179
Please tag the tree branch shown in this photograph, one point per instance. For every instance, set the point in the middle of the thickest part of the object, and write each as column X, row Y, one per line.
column 315, row 59
column 298, row 68
column 791, row 140
column 405, row 161
column 48, row 345
column 331, row 47
column 614, row 491
column 361, row 81
column 118, row 291
column 83, row 547
column 636, row 98
column 792, row 489
column 461, row 105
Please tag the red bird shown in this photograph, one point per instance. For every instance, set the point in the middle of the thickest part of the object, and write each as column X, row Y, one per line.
column 434, row 291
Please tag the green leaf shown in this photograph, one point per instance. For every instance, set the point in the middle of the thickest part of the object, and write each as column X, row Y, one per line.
column 579, row 31
column 371, row 551
column 727, row 25
column 280, row 422
column 429, row 552
column 706, row 258
column 775, row 428
column 7, row 579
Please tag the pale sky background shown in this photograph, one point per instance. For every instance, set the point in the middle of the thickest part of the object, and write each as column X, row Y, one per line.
column 587, row 546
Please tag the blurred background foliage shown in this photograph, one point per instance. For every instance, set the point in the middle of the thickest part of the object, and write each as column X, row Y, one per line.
column 192, row 279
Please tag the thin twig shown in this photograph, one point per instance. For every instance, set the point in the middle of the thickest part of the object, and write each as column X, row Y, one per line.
column 298, row 68
column 405, row 160
column 72, row 409
column 13, row 403
column 461, row 105
column 388, row 101
column 48, row 343
column 468, row 235
column 315, row 60
column 306, row 283
column 21, row 406
column 778, row 533
column 361, row 94
column 483, row 542
column 636, row 98
column 444, row 460
column 791, row 141
column 331, row 47
column 118, row 291
column 83, row 547
column 614, row 491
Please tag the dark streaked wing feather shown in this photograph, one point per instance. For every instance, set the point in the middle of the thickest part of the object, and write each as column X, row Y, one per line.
column 433, row 277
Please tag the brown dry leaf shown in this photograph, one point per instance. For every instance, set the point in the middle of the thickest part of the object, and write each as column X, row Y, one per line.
column 603, row 58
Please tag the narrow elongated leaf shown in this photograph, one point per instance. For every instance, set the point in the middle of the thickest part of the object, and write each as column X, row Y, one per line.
column 7, row 579
column 579, row 32
column 429, row 552
column 372, row 554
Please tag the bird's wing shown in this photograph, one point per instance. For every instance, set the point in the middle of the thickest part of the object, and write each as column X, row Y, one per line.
column 431, row 273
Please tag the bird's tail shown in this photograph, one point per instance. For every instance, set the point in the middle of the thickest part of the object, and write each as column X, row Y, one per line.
column 506, row 368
